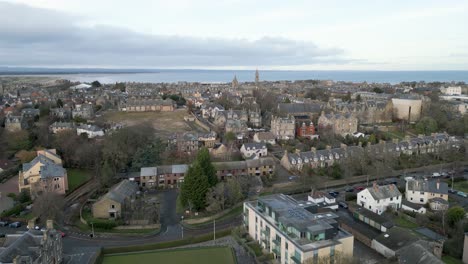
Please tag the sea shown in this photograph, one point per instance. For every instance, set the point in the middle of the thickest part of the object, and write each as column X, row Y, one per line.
column 220, row 76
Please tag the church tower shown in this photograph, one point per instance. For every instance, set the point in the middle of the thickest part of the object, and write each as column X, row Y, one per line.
column 235, row 83
column 257, row 76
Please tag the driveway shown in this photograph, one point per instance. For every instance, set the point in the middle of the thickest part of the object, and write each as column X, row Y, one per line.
column 10, row 186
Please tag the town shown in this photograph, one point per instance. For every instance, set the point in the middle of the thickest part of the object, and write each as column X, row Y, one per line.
column 311, row 171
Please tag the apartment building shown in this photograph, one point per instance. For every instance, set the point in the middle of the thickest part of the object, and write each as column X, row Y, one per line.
column 286, row 228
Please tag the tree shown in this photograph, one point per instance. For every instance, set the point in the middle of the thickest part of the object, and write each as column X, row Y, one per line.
column 18, row 141
column 120, row 86
column 96, row 84
column 149, row 155
column 216, row 198
column 287, row 100
column 427, row 125
column 336, row 173
column 203, row 158
column 59, row 103
column 25, row 156
column 106, row 175
column 377, row 90
column 195, row 187
column 48, row 206
column 229, row 137
column 454, row 215
column 358, row 98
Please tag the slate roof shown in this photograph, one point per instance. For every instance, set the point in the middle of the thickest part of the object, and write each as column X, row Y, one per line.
column 255, row 163
column 148, row 171
column 428, row 186
column 384, row 191
column 88, row 127
column 293, row 108
column 252, row 146
column 411, row 205
column 418, row 252
column 180, row 168
column 121, row 191
column 52, row 170
column 20, row 245
column 396, row 238
column 265, row 136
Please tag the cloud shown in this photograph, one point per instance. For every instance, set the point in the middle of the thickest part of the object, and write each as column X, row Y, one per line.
column 41, row 37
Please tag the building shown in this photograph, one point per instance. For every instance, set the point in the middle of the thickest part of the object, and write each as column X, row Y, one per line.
column 323, row 200
column 422, row 191
column 236, row 126
column 254, row 150
column 30, row 113
column 61, row 113
column 305, row 129
column 465, row 249
column 111, row 204
column 43, row 174
column 208, row 140
column 172, row 175
column 255, row 119
column 285, row 228
column 340, row 124
column 451, row 90
column 91, row 130
column 57, row 127
column 283, row 127
column 85, row 111
column 15, row 123
column 413, row 207
column 184, row 142
column 264, row 137
column 378, row 198
column 33, row 247
column 261, row 167
column 148, row 105
column 408, row 109
column 149, row 177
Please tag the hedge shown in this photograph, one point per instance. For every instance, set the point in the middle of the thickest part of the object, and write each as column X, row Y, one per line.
column 15, row 210
column 163, row 245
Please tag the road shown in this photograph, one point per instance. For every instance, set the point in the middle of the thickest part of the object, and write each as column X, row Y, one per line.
column 170, row 229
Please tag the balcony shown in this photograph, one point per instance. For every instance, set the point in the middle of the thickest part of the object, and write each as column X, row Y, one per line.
column 277, row 251
column 296, row 260
column 277, row 242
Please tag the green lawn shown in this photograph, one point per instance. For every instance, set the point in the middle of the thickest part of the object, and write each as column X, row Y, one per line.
column 459, row 186
column 76, row 177
column 451, row 260
column 402, row 222
column 180, row 256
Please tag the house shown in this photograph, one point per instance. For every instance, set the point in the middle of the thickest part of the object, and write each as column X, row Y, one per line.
column 91, row 130
column 43, row 174
column 438, row 204
column 236, row 126
column 172, row 175
column 264, row 137
column 30, row 113
column 63, row 113
column 283, row 127
column 261, row 167
column 451, row 90
column 413, row 207
column 254, row 150
column 379, row 222
column 255, row 118
column 148, row 105
column 339, row 123
column 378, row 198
column 208, row 140
column 111, row 204
column 285, row 228
column 57, row 127
column 305, row 129
column 149, row 177
column 184, row 142
column 323, row 200
column 15, row 123
column 33, row 247
column 420, row 191
column 85, row 111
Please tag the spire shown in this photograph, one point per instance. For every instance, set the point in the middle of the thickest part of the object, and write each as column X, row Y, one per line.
column 257, row 76
column 235, row 83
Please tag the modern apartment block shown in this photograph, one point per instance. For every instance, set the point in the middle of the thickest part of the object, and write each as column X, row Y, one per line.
column 294, row 232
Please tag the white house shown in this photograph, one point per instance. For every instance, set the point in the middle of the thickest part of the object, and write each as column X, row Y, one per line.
column 323, row 200
column 264, row 137
column 421, row 191
column 413, row 207
column 378, row 198
column 91, row 130
column 254, row 150
column 451, row 90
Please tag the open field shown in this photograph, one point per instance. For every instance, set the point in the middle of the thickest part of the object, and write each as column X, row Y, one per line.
column 179, row 256
column 76, row 177
column 165, row 123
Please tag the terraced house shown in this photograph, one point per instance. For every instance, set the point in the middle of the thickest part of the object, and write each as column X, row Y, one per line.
column 43, row 174
column 293, row 232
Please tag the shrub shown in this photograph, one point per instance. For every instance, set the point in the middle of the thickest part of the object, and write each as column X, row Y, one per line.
column 350, row 196
column 16, row 210
column 103, row 224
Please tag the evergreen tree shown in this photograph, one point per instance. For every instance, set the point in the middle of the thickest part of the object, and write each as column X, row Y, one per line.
column 209, row 170
column 195, row 187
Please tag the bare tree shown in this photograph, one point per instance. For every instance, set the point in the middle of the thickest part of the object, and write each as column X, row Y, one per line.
column 48, row 206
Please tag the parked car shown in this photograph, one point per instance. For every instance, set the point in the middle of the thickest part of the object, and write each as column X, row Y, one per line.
column 3, row 223
column 343, row 205
column 15, row 225
column 349, row 189
column 62, row 233
column 2, row 235
column 436, row 174
column 462, row 194
column 452, row 191
column 359, row 188
column 334, row 193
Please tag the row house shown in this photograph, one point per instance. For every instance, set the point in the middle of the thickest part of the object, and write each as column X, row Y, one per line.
column 148, row 105
column 254, row 150
column 58, row 127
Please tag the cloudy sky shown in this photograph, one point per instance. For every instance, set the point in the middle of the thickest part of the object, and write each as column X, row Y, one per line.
column 236, row 34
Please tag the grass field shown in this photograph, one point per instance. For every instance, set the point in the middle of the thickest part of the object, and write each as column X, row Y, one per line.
column 402, row 222
column 451, row 260
column 180, row 256
column 459, row 186
column 76, row 177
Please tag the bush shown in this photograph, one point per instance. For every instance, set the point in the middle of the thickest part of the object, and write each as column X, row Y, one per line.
column 16, row 210
column 350, row 196
column 103, row 224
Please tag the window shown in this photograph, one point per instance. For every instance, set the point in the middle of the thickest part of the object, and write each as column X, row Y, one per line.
column 421, row 200
column 391, row 198
column 370, row 206
column 112, row 206
column 286, row 245
column 256, row 220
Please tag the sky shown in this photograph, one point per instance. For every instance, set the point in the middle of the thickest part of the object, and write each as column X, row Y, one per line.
column 236, row 34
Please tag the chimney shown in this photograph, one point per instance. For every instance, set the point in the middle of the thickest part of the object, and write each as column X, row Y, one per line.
column 328, row 147
column 50, row 224
column 313, row 149
column 438, row 184
column 376, row 188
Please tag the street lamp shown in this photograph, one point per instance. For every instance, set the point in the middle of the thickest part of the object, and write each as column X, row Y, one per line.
column 182, row 219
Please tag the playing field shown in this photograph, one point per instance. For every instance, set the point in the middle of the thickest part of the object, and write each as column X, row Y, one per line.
column 180, row 256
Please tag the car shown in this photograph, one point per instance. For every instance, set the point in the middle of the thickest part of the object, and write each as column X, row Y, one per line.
column 462, row 194
column 334, row 193
column 436, row 174
column 343, row 205
column 359, row 188
column 349, row 189
column 15, row 225
column 61, row 233
column 3, row 223
column 452, row 191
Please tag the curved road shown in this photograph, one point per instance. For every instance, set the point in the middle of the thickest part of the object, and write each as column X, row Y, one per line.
column 170, row 229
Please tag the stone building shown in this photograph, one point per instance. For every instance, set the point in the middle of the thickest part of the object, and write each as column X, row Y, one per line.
column 85, row 111
column 340, row 124
column 15, row 123
column 61, row 113
column 148, row 105
column 283, row 127
column 57, row 127
column 255, row 119
column 184, row 142
column 408, row 109
column 111, row 204
column 367, row 112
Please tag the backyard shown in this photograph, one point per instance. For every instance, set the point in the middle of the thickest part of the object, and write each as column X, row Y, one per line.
column 180, row 256
column 77, row 177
